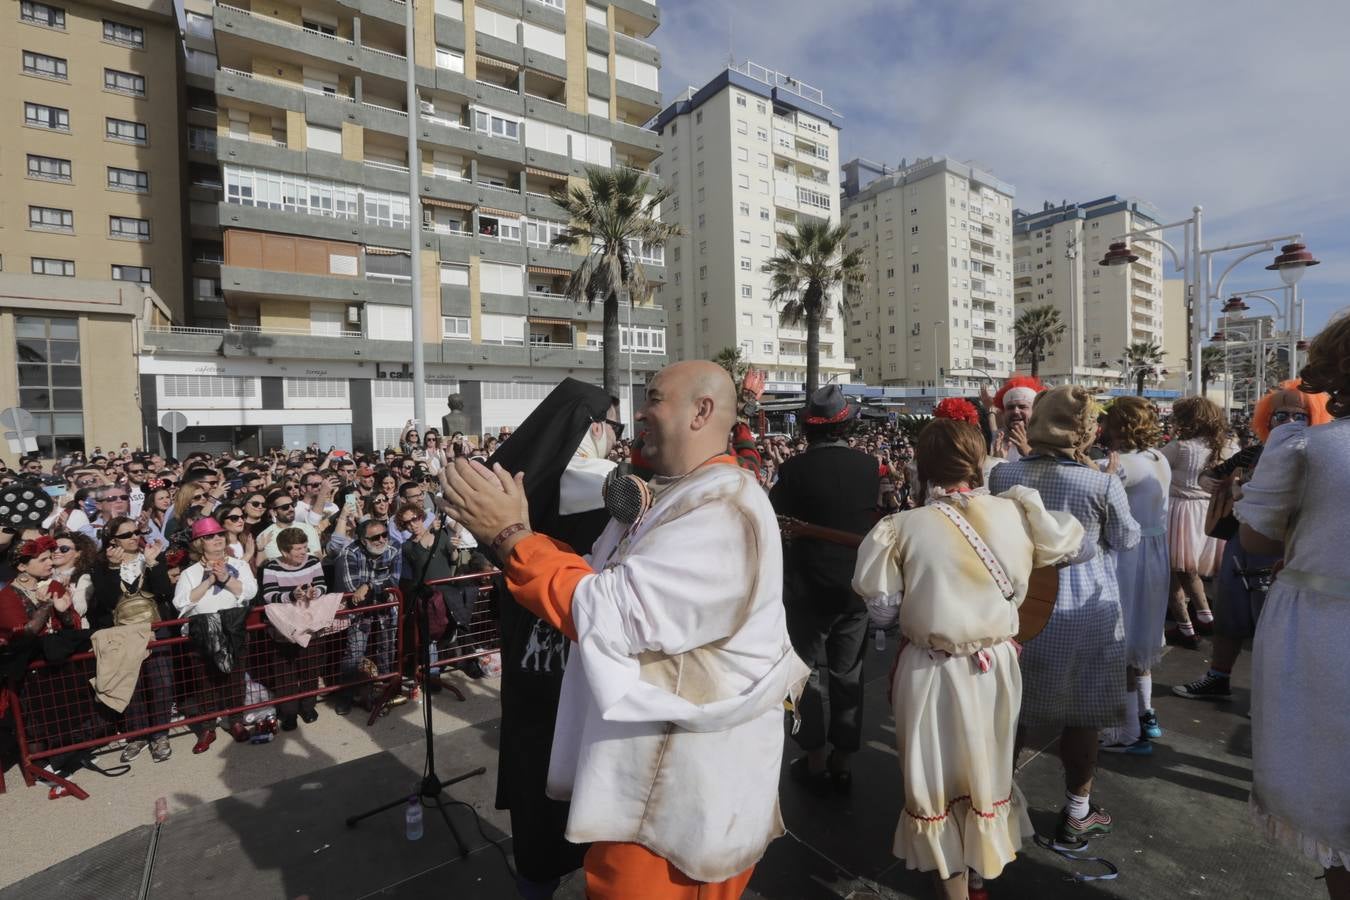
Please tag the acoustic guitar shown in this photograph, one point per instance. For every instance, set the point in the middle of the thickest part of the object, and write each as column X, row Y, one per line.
column 1034, row 613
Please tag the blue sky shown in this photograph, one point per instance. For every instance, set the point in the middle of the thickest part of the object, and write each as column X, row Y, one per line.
column 1236, row 105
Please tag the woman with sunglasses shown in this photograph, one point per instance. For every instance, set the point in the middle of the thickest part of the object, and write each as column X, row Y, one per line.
column 378, row 506
column 189, row 495
column 130, row 569
column 215, row 582
column 73, row 558
column 434, row 454
column 238, row 539
column 255, row 512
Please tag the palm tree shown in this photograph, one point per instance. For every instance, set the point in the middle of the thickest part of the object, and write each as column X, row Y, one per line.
column 1036, row 331
column 1211, row 363
column 611, row 218
column 730, row 358
column 811, row 263
column 1142, row 359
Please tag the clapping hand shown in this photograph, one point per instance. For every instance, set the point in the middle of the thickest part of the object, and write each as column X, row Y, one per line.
column 485, row 501
column 152, row 551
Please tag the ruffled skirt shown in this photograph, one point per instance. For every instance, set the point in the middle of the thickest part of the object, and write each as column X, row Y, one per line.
column 955, row 729
column 1190, row 548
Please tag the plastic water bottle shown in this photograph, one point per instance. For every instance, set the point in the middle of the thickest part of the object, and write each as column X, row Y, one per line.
column 412, row 818
column 262, row 737
column 161, row 811
column 879, row 640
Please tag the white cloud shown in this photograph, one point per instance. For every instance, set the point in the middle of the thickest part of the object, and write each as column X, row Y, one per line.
column 1238, row 106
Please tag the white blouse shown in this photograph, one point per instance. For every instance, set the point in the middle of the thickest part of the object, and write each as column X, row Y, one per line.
column 214, row 600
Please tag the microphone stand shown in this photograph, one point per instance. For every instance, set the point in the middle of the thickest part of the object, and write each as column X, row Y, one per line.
column 432, row 787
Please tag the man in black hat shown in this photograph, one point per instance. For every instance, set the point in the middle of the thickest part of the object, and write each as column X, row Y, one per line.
column 834, row 486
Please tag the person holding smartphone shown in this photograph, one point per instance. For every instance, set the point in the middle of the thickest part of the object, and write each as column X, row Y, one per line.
column 294, row 577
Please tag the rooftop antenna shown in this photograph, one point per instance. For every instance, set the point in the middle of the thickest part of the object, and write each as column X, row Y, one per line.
column 731, row 36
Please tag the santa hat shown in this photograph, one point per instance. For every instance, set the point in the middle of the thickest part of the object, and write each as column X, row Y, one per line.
column 1016, row 383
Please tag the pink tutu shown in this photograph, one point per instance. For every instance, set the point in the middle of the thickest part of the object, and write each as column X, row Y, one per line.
column 1190, row 548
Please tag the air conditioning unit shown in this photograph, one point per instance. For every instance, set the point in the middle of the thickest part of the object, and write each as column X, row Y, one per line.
column 353, row 315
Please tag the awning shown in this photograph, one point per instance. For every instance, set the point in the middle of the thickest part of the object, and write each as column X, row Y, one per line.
column 447, row 204
column 545, row 173
column 547, row 270
column 387, row 251
column 497, row 63
column 499, row 212
column 541, row 320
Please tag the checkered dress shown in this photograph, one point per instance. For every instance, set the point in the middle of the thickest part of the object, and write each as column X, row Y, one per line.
column 1073, row 672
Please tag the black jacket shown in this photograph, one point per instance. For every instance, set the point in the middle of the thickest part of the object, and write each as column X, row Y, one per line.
column 834, row 486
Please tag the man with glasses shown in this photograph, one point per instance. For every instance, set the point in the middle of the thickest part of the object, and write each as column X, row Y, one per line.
column 365, row 569
column 283, row 510
column 109, row 503
column 316, row 503
column 136, row 476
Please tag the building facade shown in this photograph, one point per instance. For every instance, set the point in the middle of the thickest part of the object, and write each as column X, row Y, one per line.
column 300, row 220
column 937, row 307
column 90, row 167
column 747, row 157
column 1058, row 252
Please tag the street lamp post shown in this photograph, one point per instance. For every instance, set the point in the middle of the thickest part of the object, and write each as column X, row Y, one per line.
column 937, row 363
column 1197, row 264
column 415, row 224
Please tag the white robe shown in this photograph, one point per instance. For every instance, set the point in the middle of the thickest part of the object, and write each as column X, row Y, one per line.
column 670, row 723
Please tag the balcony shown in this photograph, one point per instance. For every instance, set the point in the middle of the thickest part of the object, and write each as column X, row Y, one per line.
column 246, row 25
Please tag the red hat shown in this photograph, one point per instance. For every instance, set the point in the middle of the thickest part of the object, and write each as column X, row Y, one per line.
column 1017, row 381
column 958, row 408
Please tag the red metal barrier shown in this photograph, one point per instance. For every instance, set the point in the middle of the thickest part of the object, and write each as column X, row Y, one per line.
column 56, row 710
column 480, row 637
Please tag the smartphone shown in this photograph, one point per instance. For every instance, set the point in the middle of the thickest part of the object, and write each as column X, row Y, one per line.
column 55, row 490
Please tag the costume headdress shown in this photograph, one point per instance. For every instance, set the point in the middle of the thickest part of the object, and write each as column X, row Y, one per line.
column 1021, row 384
column 958, row 408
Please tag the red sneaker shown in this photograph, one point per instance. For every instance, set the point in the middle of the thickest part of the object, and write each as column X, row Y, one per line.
column 205, row 741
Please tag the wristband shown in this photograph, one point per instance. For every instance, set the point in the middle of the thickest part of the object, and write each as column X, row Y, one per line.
column 506, row 532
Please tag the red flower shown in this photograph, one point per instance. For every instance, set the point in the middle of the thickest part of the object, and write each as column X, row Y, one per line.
column 957, row 408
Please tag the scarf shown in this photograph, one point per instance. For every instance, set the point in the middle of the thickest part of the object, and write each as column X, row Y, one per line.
column 1064, row 423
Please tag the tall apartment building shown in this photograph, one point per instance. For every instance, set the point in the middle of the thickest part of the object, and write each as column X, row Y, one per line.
column 1058, row 252
column 937, row 307
column 299, row 169
column 91, row 218
column 748, row 156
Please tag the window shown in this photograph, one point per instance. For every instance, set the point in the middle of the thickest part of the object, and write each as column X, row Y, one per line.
column 203, row 139
column 747, row 291
column 495, row 24
column 449, row 59
column 496, row 124
column 745, row 264
column 743, row 182
column 764, row 214
column 497, row 278
column 500, row 329
column 451, row 9
column 44, row 65
column 808, row 197
column 127, row 35
column 742, row 126
column 247, row 186
column 767, row 346
column 388, row 323
column 317, row 137
column 385, row 208
column 545, row 40
column 138, row 274
column 42, row 14
column 199, row 25
column 740, row 99
column 42, row 116
column 46, row 218
column 43, row 265
column 454, row 274
column 762, row 134
column 541, row 232
column 123, row 130
column 600, row 62
column 454, row 328
column 49, row 380
column 698, row 117
column 597, row 106
column 597, row 14
column 129, row 228
column 207, row 290
column 743, row 237
column 48, row 168
column 635, row 72
column 124, row 82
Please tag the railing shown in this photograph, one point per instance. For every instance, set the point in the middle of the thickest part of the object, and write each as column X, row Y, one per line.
column 441, row 120
column 389, row 53
column 496, row 187
column 247, row 329
column 443, row 228
column 388, row 109
column 549, row 295
column 380, row 164
column 500, row 238
column 291, row 25
column 500, row 87
column 254, row 76
column 545, row 99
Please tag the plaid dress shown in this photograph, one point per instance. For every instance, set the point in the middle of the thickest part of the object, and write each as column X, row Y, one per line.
column 1073, row 672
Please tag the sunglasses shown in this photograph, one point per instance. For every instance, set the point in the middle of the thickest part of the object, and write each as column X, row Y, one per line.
column 65, row 548
column 128, row 535
column 313, row 484
column 1284, row 415
column 376, row 538
column 408, row 523
column 617, row 426
column 237, row 517
column 257, row 503
column 282, row 507
column 135, row 471
column 112, row 498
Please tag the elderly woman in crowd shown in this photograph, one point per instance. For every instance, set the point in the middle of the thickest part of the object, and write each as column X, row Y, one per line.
column 1132, row 432
column 294, row 577
column 957, row 687
column 1295, row 507
column 1201, row 442
column 1073, row 671
column 215, row 582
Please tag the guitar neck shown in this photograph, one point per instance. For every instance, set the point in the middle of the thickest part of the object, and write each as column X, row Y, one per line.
column 798, row 528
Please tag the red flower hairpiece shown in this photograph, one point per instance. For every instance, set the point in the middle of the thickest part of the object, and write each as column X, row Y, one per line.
column 957, row 408
column 36, row 547
column 175, row 558
column 155, row 484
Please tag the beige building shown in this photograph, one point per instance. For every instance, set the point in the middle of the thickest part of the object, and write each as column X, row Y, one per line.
column 297, row 151
column 1176, row 334
column 937, row 307
column 1058, row 252
column 68, row 355
column 748, row 156
column 90, row 171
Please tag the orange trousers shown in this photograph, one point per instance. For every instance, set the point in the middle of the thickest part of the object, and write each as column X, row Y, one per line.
column 617, row 871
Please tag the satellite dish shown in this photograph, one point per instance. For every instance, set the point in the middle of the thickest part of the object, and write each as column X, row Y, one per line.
column 173, row 422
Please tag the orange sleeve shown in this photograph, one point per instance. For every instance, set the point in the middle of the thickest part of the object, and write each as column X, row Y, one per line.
column 542, row 574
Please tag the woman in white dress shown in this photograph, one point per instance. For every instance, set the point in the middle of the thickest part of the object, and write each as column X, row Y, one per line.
column 1142, row 571
column 1295, row 506
column 1201, row 442
column 957, row 688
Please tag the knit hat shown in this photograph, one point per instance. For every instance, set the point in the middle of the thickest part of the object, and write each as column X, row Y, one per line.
column 1063, row 422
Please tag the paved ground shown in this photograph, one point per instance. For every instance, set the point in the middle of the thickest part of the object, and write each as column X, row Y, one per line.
column 1182, row 828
